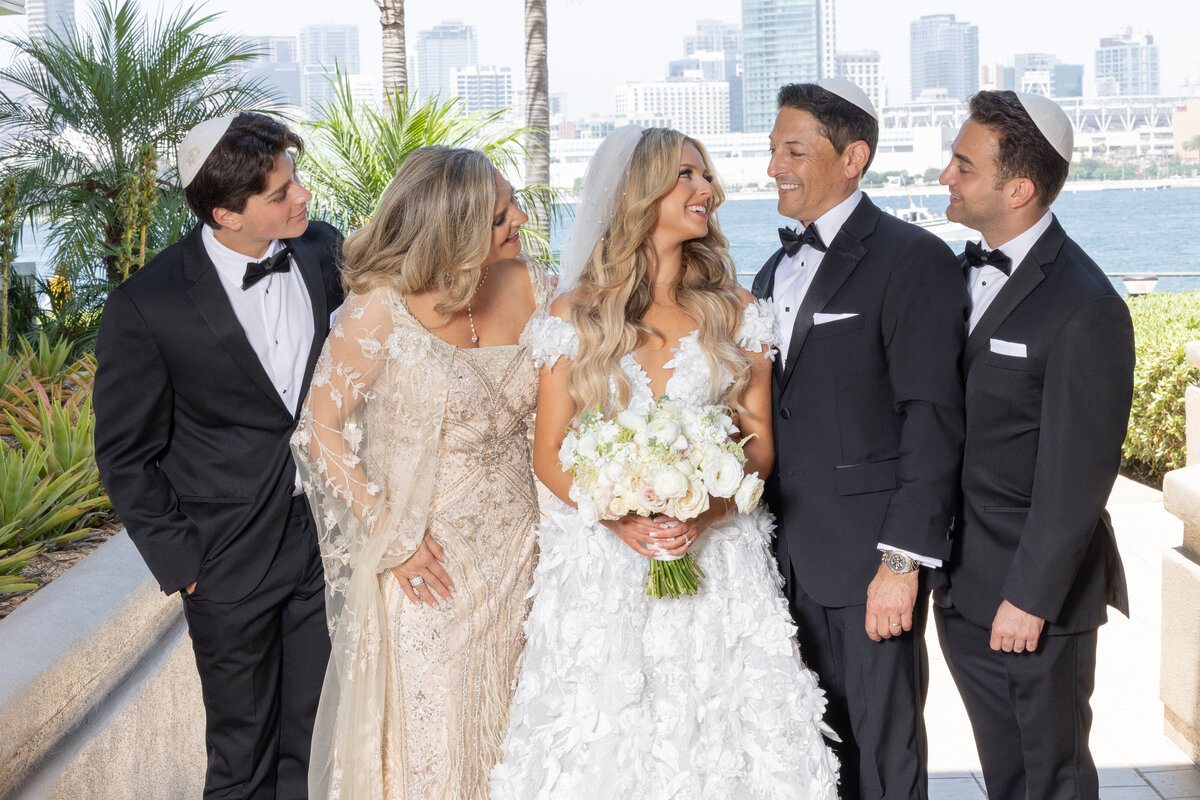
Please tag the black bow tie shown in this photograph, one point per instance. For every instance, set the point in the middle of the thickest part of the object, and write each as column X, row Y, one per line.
column 257, row 270
column 978, row 257
column 792, row 241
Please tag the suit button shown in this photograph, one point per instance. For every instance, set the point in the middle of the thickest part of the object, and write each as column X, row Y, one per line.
column 783, row 412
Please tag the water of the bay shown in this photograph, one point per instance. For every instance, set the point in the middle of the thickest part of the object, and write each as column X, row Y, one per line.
column 1124, row 230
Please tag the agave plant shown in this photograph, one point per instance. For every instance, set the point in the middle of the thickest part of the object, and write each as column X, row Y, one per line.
column 40, row 504
column 11, row 564
column 48, row 359
column 356, row 151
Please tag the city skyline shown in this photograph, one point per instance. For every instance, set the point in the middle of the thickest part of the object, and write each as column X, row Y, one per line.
column 594, row 47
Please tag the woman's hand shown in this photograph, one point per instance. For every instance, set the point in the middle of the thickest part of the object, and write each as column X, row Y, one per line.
column 665, row 535
column 423, row 576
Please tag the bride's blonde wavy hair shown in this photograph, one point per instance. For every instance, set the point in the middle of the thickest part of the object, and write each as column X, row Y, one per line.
column 431, row 231
column 615, row 285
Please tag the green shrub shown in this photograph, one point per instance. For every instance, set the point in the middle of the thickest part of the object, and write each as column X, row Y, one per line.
column 1156, row 441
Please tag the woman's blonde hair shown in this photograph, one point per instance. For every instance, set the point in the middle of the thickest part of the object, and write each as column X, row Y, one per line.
column 615, row 285
column 431, row 230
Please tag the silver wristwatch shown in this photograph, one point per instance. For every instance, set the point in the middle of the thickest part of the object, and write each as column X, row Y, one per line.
column 898, row 563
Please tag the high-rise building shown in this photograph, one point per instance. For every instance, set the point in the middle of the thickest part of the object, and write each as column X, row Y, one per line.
column 995, row 77
column 944, row 58
column 277, row 67
column 783, row 41
column 50, row 16
column 713, row 36
column 715, row 66
column 862, row 69
column 1042, row 73
column 483, row 88
column 449, row 46
column 324, row 49
column 1127, row 65
column 694, row 106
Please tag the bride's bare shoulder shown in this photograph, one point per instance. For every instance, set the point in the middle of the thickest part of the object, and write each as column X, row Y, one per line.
column 562, row 305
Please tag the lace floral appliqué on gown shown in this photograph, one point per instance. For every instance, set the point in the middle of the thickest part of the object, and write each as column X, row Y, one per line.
column 622, row 695
column 430, row 437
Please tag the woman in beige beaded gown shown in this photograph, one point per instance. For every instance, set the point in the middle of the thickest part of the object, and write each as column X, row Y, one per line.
column 414, row 452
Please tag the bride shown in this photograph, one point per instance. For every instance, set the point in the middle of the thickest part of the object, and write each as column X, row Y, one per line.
column 620, row 694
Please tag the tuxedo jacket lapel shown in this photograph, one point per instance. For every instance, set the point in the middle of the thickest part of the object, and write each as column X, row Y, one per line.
column 310, row 268
column 1028, row 274
column 844, row 253
column 213, row 304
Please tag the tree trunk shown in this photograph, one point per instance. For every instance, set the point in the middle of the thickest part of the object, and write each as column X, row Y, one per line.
column 537, row 104
column 395, row 57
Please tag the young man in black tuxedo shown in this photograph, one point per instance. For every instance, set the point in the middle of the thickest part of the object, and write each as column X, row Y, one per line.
column 1049, row 380
column 868, row 432
column 204, row 357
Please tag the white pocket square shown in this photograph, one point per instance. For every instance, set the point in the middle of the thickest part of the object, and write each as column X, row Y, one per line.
column 821, row 319
column 1007, row 348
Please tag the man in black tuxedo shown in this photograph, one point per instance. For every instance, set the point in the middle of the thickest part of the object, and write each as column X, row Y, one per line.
column 1049, row 380
column 868, row 432
column 204, row 356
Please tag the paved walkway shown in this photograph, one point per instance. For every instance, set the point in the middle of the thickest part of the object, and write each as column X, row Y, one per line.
column 1136, row 761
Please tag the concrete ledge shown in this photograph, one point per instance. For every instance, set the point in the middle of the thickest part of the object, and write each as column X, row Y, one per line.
column 1181, row 497
column 1179, row 683
column 100, row 697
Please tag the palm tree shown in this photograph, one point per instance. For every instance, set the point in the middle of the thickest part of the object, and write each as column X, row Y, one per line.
column 395, row 66
column 95, row 104
column 537, row 107
column 355, row 151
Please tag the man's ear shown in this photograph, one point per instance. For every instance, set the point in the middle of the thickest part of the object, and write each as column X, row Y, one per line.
column 855, row 158
column 227, row 220
column 1020, row 192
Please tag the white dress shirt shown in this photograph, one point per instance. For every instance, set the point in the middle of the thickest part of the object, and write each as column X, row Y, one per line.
column 275, row 313
column 795, row 274
column 986, row 282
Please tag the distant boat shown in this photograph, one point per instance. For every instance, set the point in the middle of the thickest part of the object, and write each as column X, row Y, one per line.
column 931, row 221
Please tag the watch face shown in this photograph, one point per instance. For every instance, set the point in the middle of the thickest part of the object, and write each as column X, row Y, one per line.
column 898, row 562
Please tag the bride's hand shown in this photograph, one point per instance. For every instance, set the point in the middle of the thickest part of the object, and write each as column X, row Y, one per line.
column 640, row 533
column 690, row 530
column 423, row 576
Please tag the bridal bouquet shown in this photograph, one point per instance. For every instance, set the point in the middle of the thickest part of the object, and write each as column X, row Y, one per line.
column 665, row 460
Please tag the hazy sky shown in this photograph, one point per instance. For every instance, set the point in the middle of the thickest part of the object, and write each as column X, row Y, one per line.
column 595, row 44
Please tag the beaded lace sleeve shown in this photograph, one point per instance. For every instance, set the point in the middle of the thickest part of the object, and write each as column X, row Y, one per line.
column 759, row 332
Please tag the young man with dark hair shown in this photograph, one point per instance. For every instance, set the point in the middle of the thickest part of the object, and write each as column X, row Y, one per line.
column 204, row 356
column 868, row 432
column 1049, row 381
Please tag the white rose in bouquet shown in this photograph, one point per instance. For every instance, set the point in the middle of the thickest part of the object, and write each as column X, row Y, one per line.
column 669, row 482
column 694, row 503
column 649, row 500
column 749, row 492
column 723, row 474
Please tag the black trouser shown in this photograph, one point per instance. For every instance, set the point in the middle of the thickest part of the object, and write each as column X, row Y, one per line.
column 876, row 693
column 262, row 660
column 1030, row 712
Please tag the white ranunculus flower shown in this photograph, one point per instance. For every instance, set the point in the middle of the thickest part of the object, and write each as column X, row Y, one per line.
column 669, row 483
column 665, row 431
column 632, row 420
column 693, row 503
column 749, row 492
column 723, row 474
column 641, row 439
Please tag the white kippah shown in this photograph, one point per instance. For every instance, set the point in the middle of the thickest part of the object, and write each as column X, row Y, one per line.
column 1051, row 121
column 850, row 93
column 197, row 144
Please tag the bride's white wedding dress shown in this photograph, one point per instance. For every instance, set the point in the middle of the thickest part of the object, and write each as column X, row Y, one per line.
column 627, row 696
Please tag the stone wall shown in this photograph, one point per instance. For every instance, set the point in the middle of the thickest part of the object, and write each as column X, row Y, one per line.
column 100, row 697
